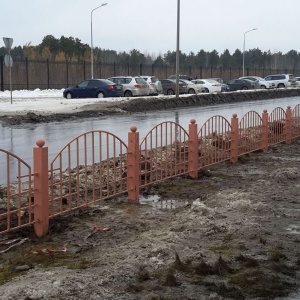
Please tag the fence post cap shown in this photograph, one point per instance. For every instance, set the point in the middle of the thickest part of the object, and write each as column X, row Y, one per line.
column 265, row 110
column 133, row 128
column 193, row 121
column 234, row 115
column 40, row 143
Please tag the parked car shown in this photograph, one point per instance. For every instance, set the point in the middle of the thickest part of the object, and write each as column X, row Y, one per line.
column 132, row 85
column 263, row 84
column 169, row 87
column 186, row 77
column 282, row 80
column 240, row 84
column 94, row 88
column 154, row 84
column 224, row 86
column 210, row 85
column 193, row 88
column 297, row 81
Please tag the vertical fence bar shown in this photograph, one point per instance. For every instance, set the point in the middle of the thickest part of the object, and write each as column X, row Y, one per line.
column 264, row 131
column 67, row 72
column 48, row 74
column 84, row 69
column 27, row 73
column 193, row 149
column 40, row 164
column 1, row 74
column 133, row 165
column 288, row 126
column 234, row 136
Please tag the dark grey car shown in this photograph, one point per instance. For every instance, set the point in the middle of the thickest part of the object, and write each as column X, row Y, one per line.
column 169, row 87
column 240, row 84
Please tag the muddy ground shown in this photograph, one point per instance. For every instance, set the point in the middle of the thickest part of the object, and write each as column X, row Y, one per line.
column 232, row 234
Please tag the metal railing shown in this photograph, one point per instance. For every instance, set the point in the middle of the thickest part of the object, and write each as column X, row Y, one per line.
column 97, row 165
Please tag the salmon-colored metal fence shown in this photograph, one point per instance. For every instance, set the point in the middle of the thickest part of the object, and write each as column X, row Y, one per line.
column 164, row 153
column 16, row 205
column 214, row 141
column 90, row 168
column 97, row 165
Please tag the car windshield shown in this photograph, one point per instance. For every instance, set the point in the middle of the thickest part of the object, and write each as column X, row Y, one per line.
column 187, row 81
column 212, row 81
column 140, row 80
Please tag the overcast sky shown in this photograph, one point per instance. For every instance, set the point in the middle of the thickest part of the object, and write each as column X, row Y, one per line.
column 150, row 26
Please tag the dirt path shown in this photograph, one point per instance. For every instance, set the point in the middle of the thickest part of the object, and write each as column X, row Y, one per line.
column 231, row 234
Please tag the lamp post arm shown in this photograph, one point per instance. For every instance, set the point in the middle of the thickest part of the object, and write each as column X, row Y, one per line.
column 92, row 55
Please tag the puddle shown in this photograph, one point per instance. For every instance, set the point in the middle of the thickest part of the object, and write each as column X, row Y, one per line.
column 155, row 201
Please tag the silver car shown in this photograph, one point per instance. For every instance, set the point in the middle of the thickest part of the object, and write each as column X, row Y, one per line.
column 263, row 84
column 132, row 85
column 154, row 84
column 192, row 87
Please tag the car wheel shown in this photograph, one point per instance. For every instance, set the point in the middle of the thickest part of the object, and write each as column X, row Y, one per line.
column 263, row 87
column 69, row 95
column 127, row 94
column 100, row 95
column 170, row 92
column 244, row 88
column 191, row 91
column 281, row 85
column 206, row 90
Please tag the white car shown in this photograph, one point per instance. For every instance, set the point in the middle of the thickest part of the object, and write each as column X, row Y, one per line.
column 192, row 88
column 210, row 85
column 297, row 81
column 282, row 80
column 154, row 84
column 264, row 84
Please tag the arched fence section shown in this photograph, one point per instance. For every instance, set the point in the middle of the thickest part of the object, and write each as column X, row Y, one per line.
column 296, row 121
column 214, row 141
column 16, row 206
column 250, row 133
column 90, row 168
column 276, row 126
column 98, row 165
column 164, row 153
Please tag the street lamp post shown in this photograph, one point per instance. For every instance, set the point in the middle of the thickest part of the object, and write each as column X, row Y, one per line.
column 244, row 49
column 177, row 49
column 92, row 57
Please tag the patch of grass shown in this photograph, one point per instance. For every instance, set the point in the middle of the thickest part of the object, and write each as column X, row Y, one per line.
column 223, row 249
column 276, row 254
column 27, row 256
column 262, row 240
column 257, row 283
column 247, row 261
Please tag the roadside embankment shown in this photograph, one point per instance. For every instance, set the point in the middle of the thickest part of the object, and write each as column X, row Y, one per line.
column 158, row 103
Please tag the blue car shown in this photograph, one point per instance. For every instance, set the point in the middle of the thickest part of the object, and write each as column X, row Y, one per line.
column 94, row 88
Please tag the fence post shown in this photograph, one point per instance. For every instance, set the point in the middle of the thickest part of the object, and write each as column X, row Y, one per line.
column 67, row 72
column 48, row 74
column 1, row 73
column 193, row 149
column 40, row 165
column 264, row 131
column 27, row 73
column 133, row 165
column 288, row 126
column 234, row 137
column 84, row 70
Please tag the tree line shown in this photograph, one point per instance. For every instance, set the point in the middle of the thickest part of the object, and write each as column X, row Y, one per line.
column 72, row 49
